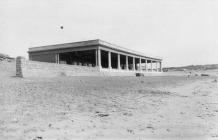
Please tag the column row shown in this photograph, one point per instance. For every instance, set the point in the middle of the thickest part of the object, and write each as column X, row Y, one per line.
column 125, row 62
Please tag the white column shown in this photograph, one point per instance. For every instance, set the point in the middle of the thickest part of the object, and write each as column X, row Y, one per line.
column 146, row 67
column 160, row 66
column 57, row 58
column 118, row 61
column 133, row 63
column 127, row 63
column 109, row 60
column 140, row 64
column 151, row 66
column 99, row 58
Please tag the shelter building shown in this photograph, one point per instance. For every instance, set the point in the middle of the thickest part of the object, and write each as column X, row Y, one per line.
column 96, row 53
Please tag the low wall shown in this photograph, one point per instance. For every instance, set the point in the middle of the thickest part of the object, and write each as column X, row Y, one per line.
column 26, row 68
column 115, row 72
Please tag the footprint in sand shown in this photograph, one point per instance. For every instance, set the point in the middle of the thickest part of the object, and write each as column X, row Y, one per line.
column 182, row 113
column 127, row 114
column 161, row 116
column 15, row 120
column 214, row 136
column 38, row 138
column 150, row 127
column 130, row 131
column 101, row 114
column 49, row 125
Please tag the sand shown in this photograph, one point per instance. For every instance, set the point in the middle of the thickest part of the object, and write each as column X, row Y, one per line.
column 68, row 108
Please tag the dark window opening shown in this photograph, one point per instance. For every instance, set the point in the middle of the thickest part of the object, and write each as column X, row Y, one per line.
column 130, row 63
column 104, row 59
column 143, row 67
column 122, row 61
column 114, row 59
column 85, row 58
column 137, row 63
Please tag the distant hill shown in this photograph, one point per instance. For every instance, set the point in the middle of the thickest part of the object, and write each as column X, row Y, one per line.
column 5, row 57
column 192, row 67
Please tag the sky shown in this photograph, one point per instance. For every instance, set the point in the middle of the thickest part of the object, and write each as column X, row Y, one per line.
column 182, row 32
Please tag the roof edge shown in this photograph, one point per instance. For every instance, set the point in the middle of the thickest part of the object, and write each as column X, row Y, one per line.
column 114, row 46
column 88, row 43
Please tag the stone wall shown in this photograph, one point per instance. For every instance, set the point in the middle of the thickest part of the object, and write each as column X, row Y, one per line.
column 26, row 68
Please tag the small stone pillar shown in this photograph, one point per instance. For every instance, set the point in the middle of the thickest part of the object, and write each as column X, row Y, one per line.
column 19, row 61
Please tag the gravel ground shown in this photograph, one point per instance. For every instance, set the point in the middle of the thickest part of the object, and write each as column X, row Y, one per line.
column 66, row 108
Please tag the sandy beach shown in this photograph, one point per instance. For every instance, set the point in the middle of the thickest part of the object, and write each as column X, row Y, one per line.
column 89, row 108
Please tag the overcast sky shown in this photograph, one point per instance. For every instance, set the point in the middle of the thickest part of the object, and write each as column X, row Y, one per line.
column 182, row 32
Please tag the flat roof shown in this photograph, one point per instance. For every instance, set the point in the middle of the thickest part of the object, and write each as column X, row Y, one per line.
column 90, row 43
